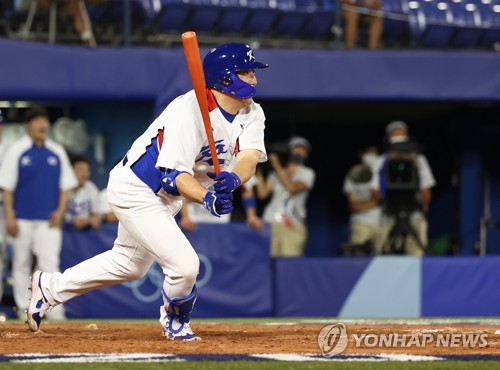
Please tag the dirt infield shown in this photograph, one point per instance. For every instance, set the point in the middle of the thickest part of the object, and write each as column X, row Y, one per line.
column 104, row 337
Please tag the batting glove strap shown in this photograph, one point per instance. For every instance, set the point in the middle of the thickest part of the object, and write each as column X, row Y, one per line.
column 168, row 182
column 218, row 204
column 225, row 182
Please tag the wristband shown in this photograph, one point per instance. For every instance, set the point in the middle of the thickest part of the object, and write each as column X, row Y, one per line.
column 249, row 202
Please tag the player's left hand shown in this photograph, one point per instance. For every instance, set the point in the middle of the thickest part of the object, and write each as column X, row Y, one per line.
column 225, row 182
column 218, row 204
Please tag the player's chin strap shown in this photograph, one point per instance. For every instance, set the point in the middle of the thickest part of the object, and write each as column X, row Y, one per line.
column 180, row 308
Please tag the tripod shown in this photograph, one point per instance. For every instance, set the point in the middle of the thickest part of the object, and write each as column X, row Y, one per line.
column 399, row 233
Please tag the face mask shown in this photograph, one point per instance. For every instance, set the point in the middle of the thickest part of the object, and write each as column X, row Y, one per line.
column 398, row 139
column 369, row 159
column 297, row 158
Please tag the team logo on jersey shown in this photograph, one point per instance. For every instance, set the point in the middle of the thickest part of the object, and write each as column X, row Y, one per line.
column 52, row 161
column 25, row 161
column 206, row 156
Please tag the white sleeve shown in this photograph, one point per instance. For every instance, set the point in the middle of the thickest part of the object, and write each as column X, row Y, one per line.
column 253, row 135
column 308, row 176
column 183, row 137
column 9, row 170
column 68, row 179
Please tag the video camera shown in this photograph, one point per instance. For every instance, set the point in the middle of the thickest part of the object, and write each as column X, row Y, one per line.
column 402, row 183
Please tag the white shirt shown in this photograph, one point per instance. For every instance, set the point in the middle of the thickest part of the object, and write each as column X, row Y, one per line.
column 282, row 204
column 363, row 191
column 83, row 201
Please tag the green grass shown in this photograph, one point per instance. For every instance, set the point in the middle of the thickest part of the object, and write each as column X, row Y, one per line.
column 241, row 365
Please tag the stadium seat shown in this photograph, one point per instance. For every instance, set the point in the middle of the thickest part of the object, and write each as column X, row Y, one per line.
column 172, row 16
column 291, row 23
column 204, row 16
column 261, row 19
column 319, row 26
column 395, row 19
column 112, row 12
column 431, row 24
column 490, row 21
column 468, row 31
column 233, row 18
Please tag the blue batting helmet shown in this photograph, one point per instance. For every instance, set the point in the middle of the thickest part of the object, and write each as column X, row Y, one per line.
column 221, row 64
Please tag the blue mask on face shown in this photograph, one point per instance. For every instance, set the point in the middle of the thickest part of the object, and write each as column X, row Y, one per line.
column 298, row 158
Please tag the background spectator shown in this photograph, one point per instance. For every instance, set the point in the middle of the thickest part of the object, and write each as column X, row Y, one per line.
column 82, row 211
column 289, row 188
column 363, row 196
column 405, row 205
column 361, row 11
column 36, row 177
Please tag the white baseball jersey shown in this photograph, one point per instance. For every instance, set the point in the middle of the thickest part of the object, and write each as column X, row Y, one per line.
column 29, row 171
column 177, row 140
column 83, row 202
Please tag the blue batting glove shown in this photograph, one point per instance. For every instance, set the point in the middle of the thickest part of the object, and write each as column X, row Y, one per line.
column 218, row 203
column 168, row 182
column 225, row 182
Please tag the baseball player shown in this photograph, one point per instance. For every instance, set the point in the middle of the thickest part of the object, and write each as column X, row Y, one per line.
column 82, row 210
column 146, row 190
column 36, row 177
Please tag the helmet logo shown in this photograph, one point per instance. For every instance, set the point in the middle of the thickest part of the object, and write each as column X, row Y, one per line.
column 250, row 55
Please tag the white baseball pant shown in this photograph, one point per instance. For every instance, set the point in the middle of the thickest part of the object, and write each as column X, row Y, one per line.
column 35, row 238
column 147, row 232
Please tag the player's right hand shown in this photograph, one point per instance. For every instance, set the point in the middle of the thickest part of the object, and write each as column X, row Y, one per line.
column 218, row 203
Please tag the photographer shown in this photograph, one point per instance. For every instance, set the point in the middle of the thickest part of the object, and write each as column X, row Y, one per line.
column 406, row 182
column 361, row 188
column 288, row 185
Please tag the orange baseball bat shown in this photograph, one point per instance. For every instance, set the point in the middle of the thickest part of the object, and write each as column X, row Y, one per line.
column 193, row 58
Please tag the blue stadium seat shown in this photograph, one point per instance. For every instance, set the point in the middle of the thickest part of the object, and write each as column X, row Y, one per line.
column 431, row 24
column 204, row 16
column 233, row 18
column 112, row 13
column 468, row 31
column 319, row 26
column 172, row 16
column 291, row 22
column 490, row 21
column 262, row 18
column 395, row 19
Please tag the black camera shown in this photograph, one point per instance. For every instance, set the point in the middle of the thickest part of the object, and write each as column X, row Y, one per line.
column 401, row 182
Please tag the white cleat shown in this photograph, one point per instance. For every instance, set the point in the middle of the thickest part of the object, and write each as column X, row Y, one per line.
column 39, row 306
column 183, row 332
